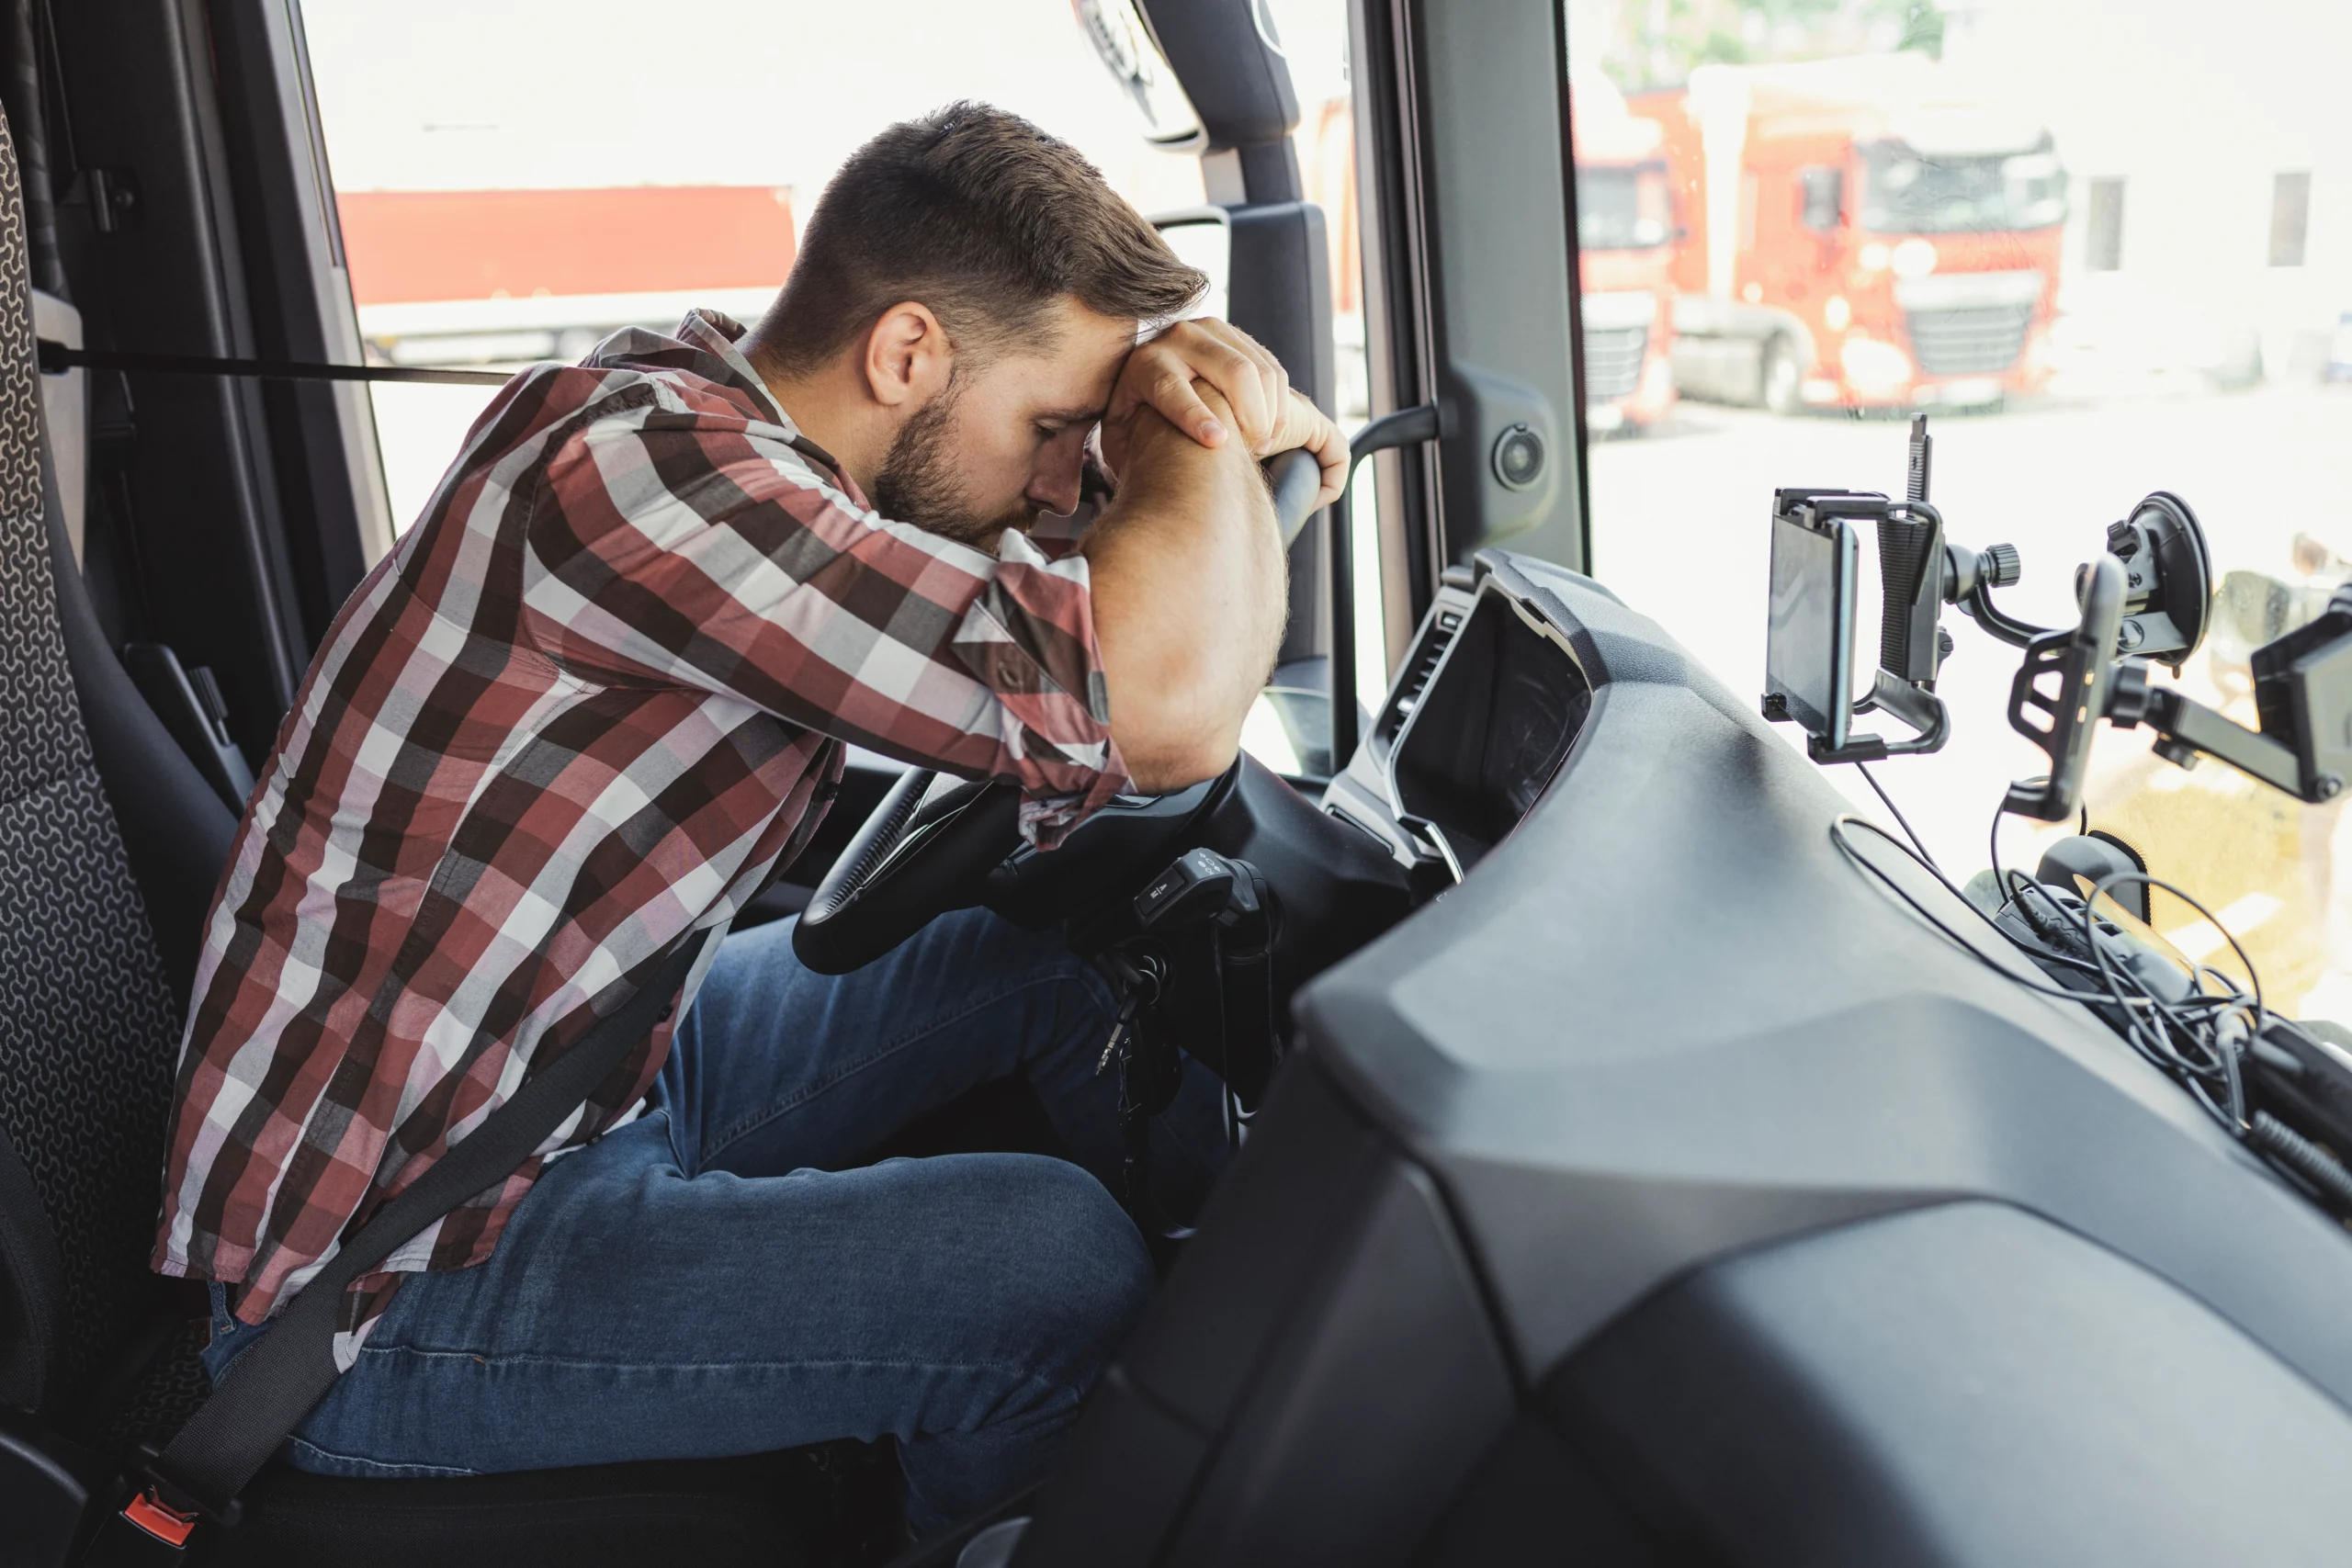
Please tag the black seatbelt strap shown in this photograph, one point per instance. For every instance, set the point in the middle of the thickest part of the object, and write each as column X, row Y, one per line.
column 56, row 359
column 278, row 1382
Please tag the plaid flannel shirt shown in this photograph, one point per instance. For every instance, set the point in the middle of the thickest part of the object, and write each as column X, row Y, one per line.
column 591, row 702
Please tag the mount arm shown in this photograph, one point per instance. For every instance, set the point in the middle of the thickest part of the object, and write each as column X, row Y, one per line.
column 2302, row 691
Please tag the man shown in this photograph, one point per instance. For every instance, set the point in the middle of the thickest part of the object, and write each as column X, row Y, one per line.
column 587, row 708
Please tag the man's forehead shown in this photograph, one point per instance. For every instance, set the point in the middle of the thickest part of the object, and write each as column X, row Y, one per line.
column 1074, row 376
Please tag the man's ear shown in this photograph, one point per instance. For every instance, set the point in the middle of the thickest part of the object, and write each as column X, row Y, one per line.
column 907, row 357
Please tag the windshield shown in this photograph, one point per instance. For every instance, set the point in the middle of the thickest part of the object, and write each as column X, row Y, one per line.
column 1905, row 192
column 1623, row 208
column 2154, row 296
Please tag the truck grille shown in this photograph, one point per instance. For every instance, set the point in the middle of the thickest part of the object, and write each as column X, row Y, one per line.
column 1969, row 340
column 1612, row 362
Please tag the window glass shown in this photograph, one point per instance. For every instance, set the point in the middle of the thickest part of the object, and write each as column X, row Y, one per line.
column 518, row 178
column 1982, row 271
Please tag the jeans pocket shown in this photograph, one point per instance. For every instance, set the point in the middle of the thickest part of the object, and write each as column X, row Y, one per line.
column 231, row 1338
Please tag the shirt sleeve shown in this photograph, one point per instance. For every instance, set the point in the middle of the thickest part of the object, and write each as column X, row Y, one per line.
column 670, row 546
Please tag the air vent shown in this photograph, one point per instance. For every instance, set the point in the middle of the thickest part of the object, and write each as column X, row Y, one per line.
column 1416, row 679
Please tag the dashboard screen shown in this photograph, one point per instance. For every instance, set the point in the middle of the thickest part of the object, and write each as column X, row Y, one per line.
column 1494, row 726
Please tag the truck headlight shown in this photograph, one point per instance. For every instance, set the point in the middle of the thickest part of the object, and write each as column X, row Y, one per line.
column 1872, row 366
column 1913, row 258
column 1836, row 314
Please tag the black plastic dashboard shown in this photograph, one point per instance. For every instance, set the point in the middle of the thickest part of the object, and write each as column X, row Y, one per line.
column 1492, row 700
column 1664, row 1192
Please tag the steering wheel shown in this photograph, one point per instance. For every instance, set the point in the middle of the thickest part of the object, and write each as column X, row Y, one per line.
column 929, row 846
column 926, row 849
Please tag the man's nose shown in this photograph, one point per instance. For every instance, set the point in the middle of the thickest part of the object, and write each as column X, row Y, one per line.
column 1056, row 484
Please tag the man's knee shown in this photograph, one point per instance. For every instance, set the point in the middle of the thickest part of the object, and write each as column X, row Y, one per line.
column 1074, row 1276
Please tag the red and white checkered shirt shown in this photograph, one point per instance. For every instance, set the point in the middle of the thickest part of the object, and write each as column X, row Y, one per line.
column 589, row 704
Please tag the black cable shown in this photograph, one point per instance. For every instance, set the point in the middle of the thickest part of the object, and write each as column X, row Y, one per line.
column 2219, row 1057
column 1993, row 841
column 1871, row 779
column 2189, row 1039
column 2132, row 1005
column 2309, row 1160
column 2000, row 810
column 1929, row 860
column 1837, row 836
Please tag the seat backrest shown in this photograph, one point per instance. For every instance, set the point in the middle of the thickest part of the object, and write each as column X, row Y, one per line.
column 89, row 1022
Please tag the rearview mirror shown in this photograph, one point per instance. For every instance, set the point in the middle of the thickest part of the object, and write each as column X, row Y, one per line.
column 1202, row 237
column 1129, row 50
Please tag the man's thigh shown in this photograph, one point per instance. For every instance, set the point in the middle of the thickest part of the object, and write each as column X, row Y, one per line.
column 776, row 1067
column 632, row 1312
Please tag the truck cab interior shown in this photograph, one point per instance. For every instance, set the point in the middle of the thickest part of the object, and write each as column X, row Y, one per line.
column 1645, row 1157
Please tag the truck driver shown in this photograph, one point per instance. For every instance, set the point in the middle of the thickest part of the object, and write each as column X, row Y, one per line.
column 591, row 702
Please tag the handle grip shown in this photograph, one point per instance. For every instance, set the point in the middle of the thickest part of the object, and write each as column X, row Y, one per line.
column 1295, row 475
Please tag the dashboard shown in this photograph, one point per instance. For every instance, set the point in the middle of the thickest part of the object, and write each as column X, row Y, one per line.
column 1663, row 1189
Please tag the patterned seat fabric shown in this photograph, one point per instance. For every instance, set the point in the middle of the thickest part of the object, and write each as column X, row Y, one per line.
column 88, row 1027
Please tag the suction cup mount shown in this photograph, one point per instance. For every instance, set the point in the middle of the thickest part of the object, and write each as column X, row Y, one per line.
column 2168, row 580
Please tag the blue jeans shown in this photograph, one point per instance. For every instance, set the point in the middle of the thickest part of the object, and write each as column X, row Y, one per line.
column 716, row 1278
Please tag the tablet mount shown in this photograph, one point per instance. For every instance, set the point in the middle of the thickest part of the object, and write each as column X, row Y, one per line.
column 1920, row 572
column 2146, row 600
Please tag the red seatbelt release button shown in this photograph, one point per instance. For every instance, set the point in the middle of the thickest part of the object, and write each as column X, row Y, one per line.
column 159, row 1519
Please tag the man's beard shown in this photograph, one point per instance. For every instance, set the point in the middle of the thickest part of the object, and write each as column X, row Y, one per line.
column 919, row 483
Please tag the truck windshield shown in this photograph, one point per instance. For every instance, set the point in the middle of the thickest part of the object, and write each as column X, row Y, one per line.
column 1905, row 192
column 1623, row 206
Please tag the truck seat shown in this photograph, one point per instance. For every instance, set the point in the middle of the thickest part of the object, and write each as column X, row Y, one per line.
column 110, row 844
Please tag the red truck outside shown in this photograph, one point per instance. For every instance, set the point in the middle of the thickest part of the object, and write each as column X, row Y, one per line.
column 1859, row 233
column 1626, row 235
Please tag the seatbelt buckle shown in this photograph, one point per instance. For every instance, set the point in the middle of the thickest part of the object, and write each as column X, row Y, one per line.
column 145, row 1533
column 159, row 1518
column 153, row 1528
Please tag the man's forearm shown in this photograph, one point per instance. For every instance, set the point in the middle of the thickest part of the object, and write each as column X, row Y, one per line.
column 1190, row 598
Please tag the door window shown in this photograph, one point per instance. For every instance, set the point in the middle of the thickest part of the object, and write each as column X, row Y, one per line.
column 518, row 180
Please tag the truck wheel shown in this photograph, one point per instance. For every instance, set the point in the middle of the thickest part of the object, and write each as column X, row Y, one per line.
column 1778, row 378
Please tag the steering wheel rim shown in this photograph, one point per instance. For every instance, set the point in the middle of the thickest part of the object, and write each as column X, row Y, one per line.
column 1295, row 477
column 926, row 849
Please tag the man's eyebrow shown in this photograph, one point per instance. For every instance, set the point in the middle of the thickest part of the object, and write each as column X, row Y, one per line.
column 1075, row 416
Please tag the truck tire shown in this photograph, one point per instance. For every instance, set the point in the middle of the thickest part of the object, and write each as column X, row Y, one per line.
column 1778, row 376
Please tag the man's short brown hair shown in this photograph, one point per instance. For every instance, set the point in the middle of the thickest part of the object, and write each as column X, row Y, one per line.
column 983, row 218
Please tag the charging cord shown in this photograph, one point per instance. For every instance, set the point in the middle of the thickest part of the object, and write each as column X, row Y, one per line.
column 2199, row 1038
column 1871, row 779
